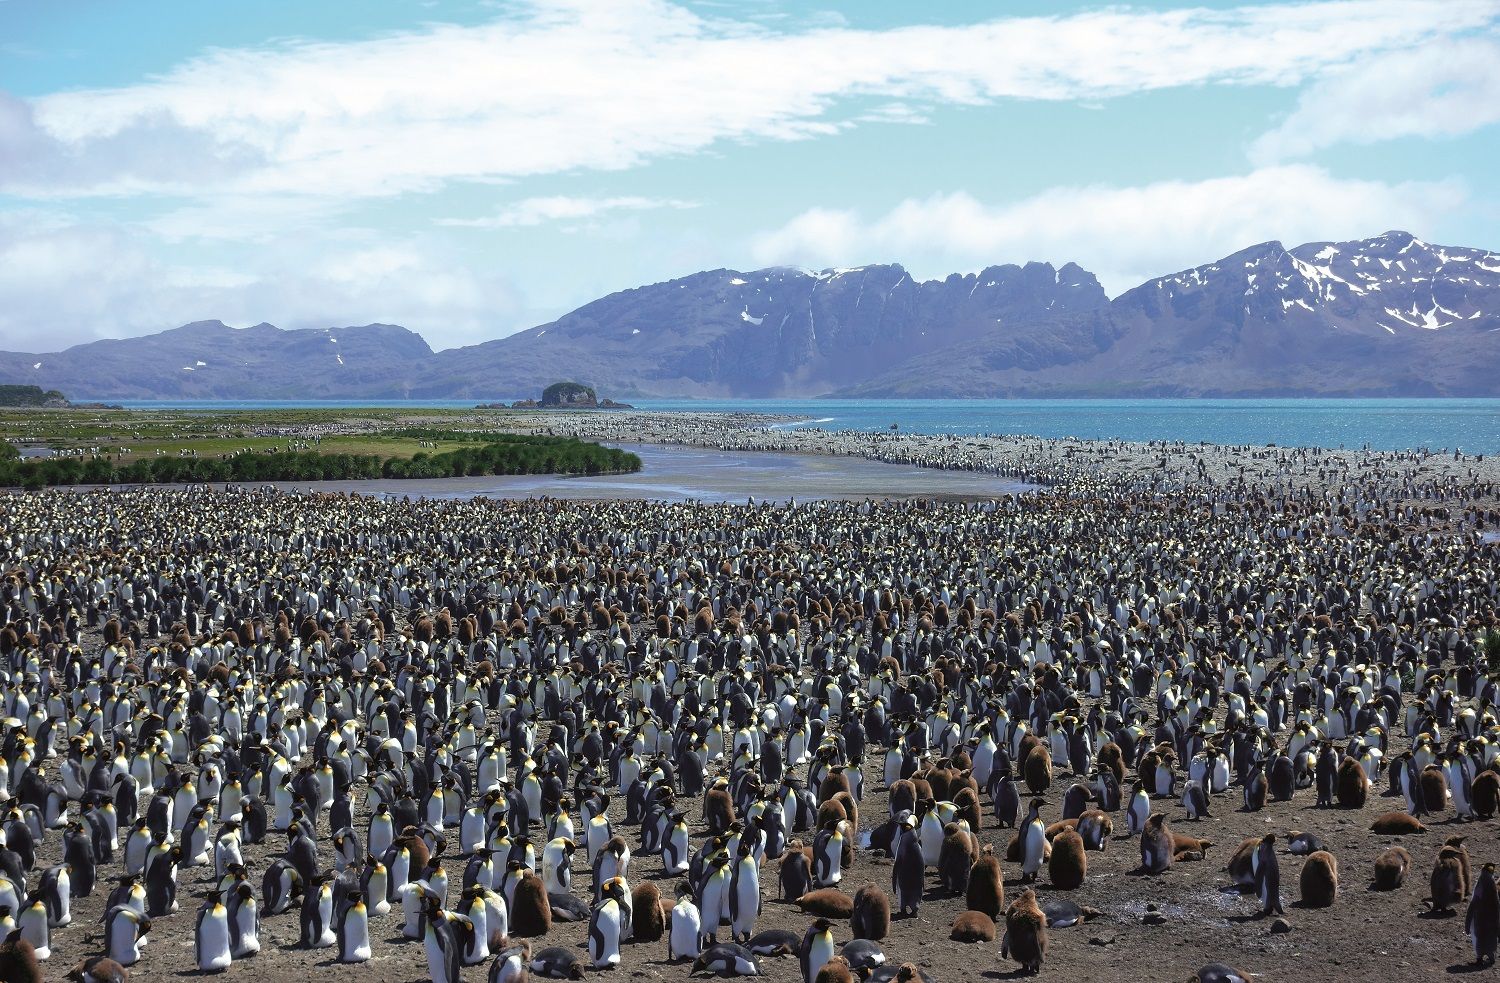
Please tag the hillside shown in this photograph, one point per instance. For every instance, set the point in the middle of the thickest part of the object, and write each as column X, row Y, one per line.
column 1387, row 316
column 26, row 396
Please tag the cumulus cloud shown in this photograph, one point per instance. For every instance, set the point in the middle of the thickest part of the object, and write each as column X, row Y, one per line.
column 66, row 282
column 1125, row 235
column 560, row 208
column 1442, row 89
column 260, row 173
column 561, row 85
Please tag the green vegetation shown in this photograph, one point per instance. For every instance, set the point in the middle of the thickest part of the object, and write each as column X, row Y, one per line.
column 103, row 446
column 493, row 454
column 30, row 396
column 518, row 454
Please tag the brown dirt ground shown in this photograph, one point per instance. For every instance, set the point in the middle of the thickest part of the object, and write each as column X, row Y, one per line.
column 1365, row 934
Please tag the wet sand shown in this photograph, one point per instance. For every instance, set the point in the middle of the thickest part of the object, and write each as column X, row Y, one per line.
column 1451, row 481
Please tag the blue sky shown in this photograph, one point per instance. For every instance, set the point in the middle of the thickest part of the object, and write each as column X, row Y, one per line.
column 469, row 169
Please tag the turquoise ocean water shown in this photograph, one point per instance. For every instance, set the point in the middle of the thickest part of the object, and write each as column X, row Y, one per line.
column 1472, row 425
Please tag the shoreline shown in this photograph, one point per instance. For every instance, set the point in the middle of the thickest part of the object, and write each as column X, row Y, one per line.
column 1077, row 464
column 1070, row 466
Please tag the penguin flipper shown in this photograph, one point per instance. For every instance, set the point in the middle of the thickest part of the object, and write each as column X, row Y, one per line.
column 453, row 963
column 198, row 940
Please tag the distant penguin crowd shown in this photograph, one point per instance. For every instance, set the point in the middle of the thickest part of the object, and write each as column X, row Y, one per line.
column 461, row 723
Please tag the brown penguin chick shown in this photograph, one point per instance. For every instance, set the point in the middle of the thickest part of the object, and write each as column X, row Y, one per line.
column 18, row 962
column 955, row 858
column 1025, row 933
column 1096, row 827
column 903, row 797
column 1111, row 758
column 828, row 902
column 1146, row 771
column 647, row 923
column 1433, row 784
column 871, row 918
column 1241, row 866
column 1062, row 825
column 1024, row 747
column 831, row 812
column 795, row 872
column 835, row 970
column 941, row 781
column 923, row 787
column 411, row 838
column 1069, row 863
column 1186, row 847
column 1157, row 851
column 966, row 802
column 851, row 811
column 1353, row 784
column 1390, row 868
column 973, row 926
column 1038, row 770
column 986, row 891
column 964, row 780
column 1396, row 824
column 97, row 969
column 851, row 826
column 909, row 973
column 1450, row 876
column 1457, row 843
column 718, row 810
column 1320, row 880
column 1484, row 794
column 530, row 911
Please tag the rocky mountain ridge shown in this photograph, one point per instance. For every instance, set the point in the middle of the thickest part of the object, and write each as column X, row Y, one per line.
column 1386, row 316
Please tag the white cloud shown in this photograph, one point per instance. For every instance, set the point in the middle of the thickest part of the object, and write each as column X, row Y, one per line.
column 65, row 283
column 1124, row 235
column 590, row 84
column 1442, row 89
column 242, row 218
column 559, row 208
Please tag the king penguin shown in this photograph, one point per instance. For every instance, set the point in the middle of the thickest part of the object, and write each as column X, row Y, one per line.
column 211, row 936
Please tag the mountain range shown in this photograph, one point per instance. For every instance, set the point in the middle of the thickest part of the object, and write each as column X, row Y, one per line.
column 1386, row 316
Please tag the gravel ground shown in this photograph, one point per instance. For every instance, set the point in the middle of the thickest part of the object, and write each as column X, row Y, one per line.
column 1365, row 934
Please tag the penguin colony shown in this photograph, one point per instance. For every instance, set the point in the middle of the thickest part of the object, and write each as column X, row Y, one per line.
column 347, row 723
